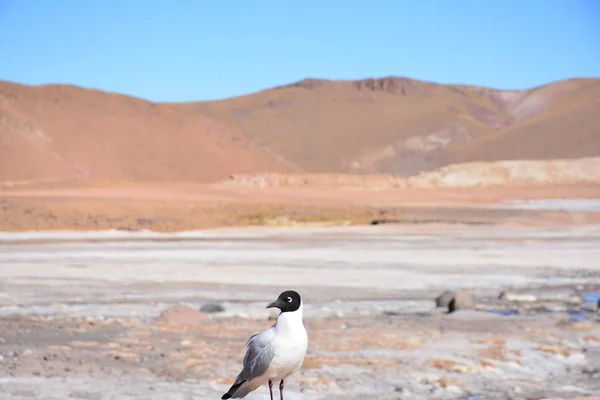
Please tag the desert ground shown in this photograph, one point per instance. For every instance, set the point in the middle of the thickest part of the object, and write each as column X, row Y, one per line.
column 104, row 297
column 188, row 206
column 141, row 241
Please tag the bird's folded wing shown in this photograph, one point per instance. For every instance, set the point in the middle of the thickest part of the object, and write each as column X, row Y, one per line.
column 259, row 355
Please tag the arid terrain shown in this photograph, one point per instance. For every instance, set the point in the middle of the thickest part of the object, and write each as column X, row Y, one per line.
column 186, row 206
column 83, row 315
column 388, row 125
column 140, row 241
column 312, row 151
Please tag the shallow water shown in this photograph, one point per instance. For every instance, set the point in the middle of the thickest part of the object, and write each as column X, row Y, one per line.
column 590, row 298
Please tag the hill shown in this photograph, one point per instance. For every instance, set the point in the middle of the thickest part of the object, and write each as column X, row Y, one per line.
column 57, row 132
column 391, row 125
column 404, row 126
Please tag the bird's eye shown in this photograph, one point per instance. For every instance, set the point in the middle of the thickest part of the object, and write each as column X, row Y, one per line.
column 289, row 299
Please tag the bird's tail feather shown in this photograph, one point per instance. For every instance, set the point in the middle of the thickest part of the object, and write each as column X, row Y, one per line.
column 234, row 391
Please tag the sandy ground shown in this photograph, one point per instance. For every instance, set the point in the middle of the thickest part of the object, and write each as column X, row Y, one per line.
column 78, row 311
column 179, row 206
column 86, row 270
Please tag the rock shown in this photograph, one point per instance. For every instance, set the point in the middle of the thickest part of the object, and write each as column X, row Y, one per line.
column 181, row 315
column 210, row 308
column 516, row 297
column 124, row 355
column 444, row 299
column 461, row 301
column 574, row 300
column 145, row 221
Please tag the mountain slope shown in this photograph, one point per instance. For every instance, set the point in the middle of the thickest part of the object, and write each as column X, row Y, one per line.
column 67, row 132
column 400, row 125
column 569, row 127
column 388, row 125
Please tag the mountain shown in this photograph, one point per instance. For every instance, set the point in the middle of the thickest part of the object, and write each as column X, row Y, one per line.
column 57, row 132
column 388, row 125
column 403, row 126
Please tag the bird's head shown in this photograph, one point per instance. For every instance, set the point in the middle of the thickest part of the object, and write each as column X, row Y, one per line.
column 287, row 301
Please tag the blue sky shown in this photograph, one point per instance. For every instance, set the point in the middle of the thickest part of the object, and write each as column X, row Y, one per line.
column 194, row 50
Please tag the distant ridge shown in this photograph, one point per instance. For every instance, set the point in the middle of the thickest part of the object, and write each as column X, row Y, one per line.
column 390, row 125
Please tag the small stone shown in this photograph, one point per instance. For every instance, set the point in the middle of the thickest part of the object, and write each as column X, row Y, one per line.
column 210, row 308
column 461, row 301
column 589, row 307
column 516, row 297
column 404, row 391
column 443, row 300
column 122, row 355
column 186, row 343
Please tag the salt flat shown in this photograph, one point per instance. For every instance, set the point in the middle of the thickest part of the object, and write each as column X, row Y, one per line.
column 70, row 301
column 387, row 257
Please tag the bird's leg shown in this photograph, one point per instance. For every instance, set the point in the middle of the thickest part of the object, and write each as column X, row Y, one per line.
column 271, row 389
column 281, row 390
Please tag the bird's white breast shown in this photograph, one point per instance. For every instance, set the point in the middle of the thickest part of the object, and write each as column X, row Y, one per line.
column 290, row 343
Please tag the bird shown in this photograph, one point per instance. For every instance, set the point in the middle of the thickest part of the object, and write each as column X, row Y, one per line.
column 275, row 353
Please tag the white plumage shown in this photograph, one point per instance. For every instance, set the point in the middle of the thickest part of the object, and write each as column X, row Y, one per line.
column 276, row 353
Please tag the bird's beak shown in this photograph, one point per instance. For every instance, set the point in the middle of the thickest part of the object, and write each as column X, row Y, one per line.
column 273, row 305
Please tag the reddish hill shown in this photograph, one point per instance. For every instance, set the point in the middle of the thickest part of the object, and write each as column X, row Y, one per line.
column 565, row 124
column 66, row 132
column 400, row 125
column 388, row 125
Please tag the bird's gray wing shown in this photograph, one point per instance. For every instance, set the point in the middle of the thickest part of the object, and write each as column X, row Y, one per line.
column 259, row 354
